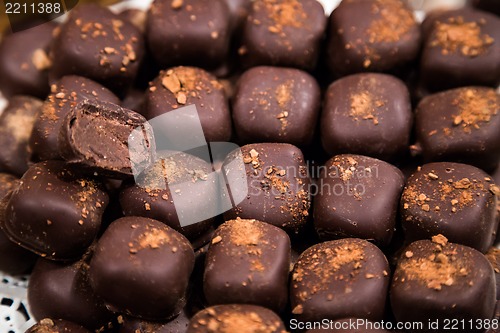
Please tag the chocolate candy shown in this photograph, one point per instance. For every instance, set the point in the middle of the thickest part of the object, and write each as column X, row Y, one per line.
column 180, row 31
column 24, row 61
column 493, row 256
column 358, row 197
column 152, row 197
column 56, row 326
column 278, row 185
column 16, row 124
column 98, row 44
column 55, row 212
column 134, row 100
column 98, row 136
column 462, row 49
column 452, row 199
column 351, row 325
column 460, row 125
column 367, row 114
column 65, row 95
column 141, row 267
column 58, row 290
column 437, row 280
column 133, row 325
column 238, row 11
column 135, row 16
column 340, row 279
column 373, row 35
column 182, row 86
column 283, row 33
column 236, row 318
column 248, row 263
column 276, row 105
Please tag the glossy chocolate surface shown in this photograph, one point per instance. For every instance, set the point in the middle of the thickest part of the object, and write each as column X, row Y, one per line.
column 56, row 326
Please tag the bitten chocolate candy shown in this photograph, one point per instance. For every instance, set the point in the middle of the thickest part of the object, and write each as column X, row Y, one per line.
column 98, row 136
column 462, row 49
column 181, row 86
column 340, row 279
column 236, row 318
column 374, row 35
column 351, row 325
column 24, row 61
column 151, row 196
column 16, row 124
column 452, row 199
column 460, row 125
column 283, row 33
column 248, row 263
column 359, row 197
column 58, row 290
column 141, row 267
column 441, row 280
column 493, row 256
column 55, row 212
column 56, row 326
column 367, row 114
column 65, row 95
column 189, row 32
column 276, row 105
column 98, row 44
column 278, row 185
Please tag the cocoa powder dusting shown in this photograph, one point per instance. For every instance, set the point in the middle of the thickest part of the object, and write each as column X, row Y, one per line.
column 230, row 322
column 395, row 21
column 152, row 238
column 476, row 106
column 284, row 13
column 364, row 107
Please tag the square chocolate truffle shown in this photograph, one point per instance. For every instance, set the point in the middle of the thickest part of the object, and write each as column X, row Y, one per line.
column 461, row 125
column 462, row 48
column 367, row 114
column 248, row 262
column 99, row 45
column 372, row 35
column 275, row 104
column 189, row 32
column 283, row 33
column 24, row 61
column 340, row 279
column 452, row 199
column 278, row 185
column 358, row 197
column 437, row 280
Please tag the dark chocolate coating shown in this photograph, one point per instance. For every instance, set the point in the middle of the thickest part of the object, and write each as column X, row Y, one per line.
column 358, row 197
column 141, row 267
column 134, row 325
column 283, row 33
column 493, row 256
column 24, row 61
column 487, row 5
column 345, row 326
column 469, row 57
column 461, row 125
column 151, row 197
column 236, row 318
column 96, row 135
column 278, row 184
column 56, row 326
column 340, row 279
column 135, row 100
column 189, row 32
column 65, row 95
column 98, row 44
column 367, row 114
column 373, row 35
column 238, row 11
column 135, row 16
column 248, row 263
column 275, row 104
column 16, row 124
column 181, row 86
column 440, row 280
column 58, row 290
column 452, row 199
column 55, row 212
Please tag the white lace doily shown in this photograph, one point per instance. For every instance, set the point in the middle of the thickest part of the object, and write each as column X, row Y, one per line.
column 14, row 313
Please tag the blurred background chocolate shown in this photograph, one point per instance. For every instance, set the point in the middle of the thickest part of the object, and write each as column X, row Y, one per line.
column 372, row 36
column 283, row 33
column 493, row 256
column 24, row 61
column 273, row 104
column 16, row 124
column 488, row 5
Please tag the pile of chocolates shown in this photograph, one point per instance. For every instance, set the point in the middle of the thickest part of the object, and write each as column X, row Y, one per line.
column 370, row 144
